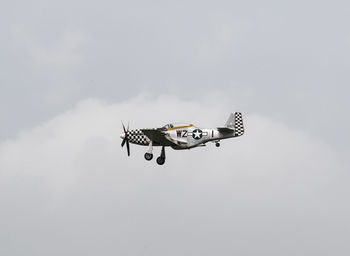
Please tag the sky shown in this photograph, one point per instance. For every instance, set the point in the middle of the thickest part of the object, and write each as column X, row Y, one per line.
column 71, row 71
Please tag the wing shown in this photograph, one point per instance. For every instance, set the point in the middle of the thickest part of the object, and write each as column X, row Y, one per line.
column 158, row 137
column 225, row 130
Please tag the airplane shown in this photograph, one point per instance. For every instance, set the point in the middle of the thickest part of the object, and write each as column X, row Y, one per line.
column 181, row 136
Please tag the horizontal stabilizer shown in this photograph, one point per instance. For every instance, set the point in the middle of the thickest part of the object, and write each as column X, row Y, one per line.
column 225, row 130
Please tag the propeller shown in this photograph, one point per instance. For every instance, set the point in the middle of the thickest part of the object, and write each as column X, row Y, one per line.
column 126, row 139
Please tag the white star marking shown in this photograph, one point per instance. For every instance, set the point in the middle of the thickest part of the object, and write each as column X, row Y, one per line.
column 197, row 134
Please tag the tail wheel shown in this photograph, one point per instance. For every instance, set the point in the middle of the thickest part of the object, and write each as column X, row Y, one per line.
column 160, row 160
column 148, row 156
column 217, row 144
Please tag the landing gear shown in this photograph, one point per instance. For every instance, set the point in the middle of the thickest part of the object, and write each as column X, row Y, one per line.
column 161, row 158
column 217, row 144
column 148, row 156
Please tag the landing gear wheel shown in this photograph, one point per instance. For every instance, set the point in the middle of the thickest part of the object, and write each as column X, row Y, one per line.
column 217, row 144
column 160, row 160
column 148, row 156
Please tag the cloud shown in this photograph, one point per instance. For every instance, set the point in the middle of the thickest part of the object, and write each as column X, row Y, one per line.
column 66, row 187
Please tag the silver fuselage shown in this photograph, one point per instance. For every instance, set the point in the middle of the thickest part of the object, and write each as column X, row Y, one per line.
column 184, row 137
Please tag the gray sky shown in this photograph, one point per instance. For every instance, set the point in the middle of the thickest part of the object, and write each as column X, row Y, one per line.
column 71, row 70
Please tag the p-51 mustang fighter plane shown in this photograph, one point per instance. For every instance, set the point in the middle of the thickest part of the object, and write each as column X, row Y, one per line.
column 181, row 136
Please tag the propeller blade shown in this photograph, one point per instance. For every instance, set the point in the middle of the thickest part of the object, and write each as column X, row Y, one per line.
column 124, row 128
column 128, row 147
column 126, row 140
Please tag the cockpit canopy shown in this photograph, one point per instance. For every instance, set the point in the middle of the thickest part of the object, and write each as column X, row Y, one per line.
column 176, row 126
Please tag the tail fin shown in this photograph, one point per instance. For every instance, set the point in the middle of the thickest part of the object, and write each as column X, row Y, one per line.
column 239, row 128
column 235, row 121
column 230, row 121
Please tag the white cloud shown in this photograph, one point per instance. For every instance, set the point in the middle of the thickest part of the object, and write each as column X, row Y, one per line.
column 67, row 184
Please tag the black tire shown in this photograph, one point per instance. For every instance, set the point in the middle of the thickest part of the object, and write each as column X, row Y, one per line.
column 160, row 160
column 217, row 144
column 148, row 156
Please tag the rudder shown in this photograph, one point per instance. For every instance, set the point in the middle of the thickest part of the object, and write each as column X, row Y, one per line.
column 239, row 128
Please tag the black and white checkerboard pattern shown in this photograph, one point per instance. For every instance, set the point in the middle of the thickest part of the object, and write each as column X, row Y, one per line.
column 137, row 137
column 239, row 128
